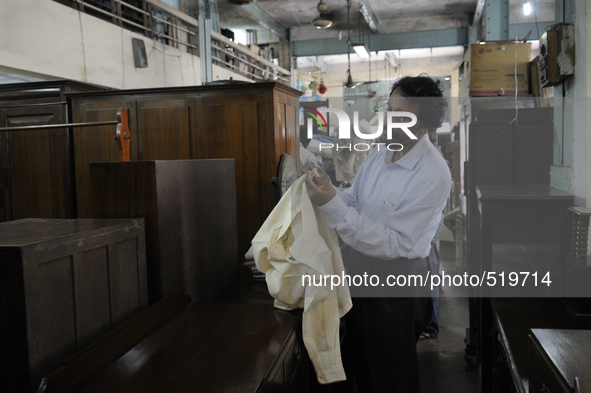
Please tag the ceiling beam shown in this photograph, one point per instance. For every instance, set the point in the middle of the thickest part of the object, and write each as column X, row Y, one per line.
column 370, row 17
column 496, row 26
column 263, row 19
column 478, row 12
column 383, row 42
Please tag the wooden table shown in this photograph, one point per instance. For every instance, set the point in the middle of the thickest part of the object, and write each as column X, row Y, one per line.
column 513, row 214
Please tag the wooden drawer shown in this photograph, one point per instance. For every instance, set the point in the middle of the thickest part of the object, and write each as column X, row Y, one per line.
column 291, row 371
column 558, row 361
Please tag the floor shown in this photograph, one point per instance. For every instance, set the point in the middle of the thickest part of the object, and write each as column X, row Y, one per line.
column 441, row 360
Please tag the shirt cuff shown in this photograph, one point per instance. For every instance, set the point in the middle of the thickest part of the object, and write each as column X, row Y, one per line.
column 334, row 210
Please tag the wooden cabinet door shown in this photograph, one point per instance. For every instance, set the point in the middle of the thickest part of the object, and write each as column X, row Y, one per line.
column 228, row 127
column 164, row 129
column 36, row 176
column 97, row 144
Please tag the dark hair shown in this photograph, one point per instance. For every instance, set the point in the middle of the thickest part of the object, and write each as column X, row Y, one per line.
column 433, row 114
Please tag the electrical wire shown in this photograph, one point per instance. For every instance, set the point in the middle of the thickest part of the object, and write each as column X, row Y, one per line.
column 515, row 74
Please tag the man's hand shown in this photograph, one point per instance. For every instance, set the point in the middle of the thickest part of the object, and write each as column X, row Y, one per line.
column 319, row 189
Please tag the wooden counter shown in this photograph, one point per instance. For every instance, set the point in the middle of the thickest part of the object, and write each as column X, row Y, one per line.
column 513, row 320
column 207, row 347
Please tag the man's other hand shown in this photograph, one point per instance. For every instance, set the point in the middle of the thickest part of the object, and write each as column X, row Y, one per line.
column 319, row 188
column 312, row 167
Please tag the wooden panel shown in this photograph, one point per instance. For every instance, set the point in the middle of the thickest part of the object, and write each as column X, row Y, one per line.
column 164, row 130
column 36, row 163
column 124, row 281
column 180, row 200
column 280, row 131
column 97, row 144
column 232, row 131
column 51, row 320
column 198, row 226
column 36, row 167
column 91, row 278
column 292, row 128
column 129, row 191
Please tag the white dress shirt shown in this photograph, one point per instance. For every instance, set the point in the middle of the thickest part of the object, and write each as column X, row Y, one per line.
column 295, row 241
column 392, row 210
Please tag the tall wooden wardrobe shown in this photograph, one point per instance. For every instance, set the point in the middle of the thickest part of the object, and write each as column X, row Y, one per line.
column 253, row 123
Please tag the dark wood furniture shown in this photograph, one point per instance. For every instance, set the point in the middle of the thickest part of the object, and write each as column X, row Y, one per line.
column 501, row 152
column 515, row 365
column 63, row 285
column 206, row 347
column 36, row 167
column 577, row 263
column 253, row 123
column 559, row 360
column 190, row 212
column 531, row 216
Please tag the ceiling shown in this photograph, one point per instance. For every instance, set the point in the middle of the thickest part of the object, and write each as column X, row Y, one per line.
column 394, row 16
column 404, row 56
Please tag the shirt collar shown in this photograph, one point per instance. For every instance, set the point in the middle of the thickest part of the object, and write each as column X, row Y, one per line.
column 410, row 159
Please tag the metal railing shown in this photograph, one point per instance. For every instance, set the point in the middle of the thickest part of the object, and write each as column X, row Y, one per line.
column 152, row 18
column 163, row 23
column 242, row 60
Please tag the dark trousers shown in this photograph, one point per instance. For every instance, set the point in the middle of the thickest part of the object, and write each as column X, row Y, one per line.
column 379, row 347
column 433, row 307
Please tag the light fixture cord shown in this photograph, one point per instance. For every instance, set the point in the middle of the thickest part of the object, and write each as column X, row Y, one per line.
column 349, row 36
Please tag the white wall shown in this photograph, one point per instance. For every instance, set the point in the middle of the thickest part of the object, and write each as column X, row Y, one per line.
column 45, row 37
column 581, row 108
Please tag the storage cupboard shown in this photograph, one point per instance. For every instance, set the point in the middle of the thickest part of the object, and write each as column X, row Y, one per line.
column 36, row 176
column 255, row 124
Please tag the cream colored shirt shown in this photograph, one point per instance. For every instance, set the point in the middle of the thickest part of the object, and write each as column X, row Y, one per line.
column 293, row 242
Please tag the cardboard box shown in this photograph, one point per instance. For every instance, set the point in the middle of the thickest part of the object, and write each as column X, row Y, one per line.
column 489, row 70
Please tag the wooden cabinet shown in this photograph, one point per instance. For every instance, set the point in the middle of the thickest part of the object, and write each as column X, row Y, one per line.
column 255, row 124
column 36, row 167
column 190, row 212
column 63, row 285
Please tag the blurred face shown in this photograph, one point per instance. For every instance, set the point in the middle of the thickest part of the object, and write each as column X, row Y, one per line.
column 398, row 103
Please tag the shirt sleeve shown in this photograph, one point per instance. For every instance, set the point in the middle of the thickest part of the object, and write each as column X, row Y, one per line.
column 349, row 196
column 405, row 223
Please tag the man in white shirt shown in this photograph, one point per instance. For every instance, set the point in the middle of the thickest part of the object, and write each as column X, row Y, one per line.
column 388, row 218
